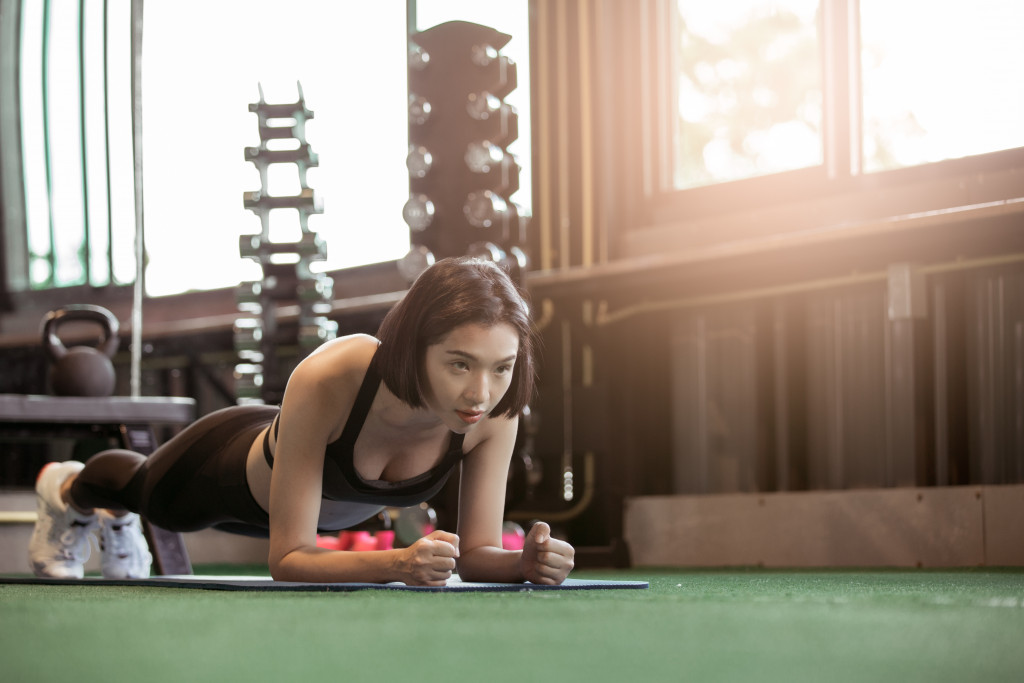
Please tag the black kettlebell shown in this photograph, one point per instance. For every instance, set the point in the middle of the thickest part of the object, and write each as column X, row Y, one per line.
column 81, row 370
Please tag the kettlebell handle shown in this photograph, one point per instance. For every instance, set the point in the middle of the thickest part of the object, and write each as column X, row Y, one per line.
column 87, row 312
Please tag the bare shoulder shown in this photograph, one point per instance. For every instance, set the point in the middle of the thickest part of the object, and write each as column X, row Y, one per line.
column 322, row 388
column 336, row 366
column 339, row 358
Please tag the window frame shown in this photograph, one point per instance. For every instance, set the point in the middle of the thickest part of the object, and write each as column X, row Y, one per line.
column 837, row 183
column 17, row 291
column 368, row 288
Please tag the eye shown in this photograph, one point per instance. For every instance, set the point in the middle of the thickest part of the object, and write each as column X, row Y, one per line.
column 459, row 365
column 503, row 369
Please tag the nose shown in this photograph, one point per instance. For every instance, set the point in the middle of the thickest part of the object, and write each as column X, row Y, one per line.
column 478, row 390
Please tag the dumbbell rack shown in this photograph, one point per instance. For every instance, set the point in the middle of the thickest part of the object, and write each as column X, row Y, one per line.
column 259, row 377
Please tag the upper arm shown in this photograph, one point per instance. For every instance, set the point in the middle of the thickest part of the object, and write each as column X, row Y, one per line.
column 482, row 486
column 316, row 401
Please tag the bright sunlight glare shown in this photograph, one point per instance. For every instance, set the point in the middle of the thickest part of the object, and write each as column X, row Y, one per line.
column 938, row 81
column 940, row 84
column 200, row 77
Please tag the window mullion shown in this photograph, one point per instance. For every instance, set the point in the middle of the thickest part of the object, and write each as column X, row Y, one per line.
column 14, row 258
column 51, row 254
column 840, row 84
column 854, row 104
column 87, row 240
column 106, row 139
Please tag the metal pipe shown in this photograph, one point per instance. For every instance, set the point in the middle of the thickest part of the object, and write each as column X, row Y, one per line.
column 140, row 233
column 604, row 317
column 558, row 516
column 586, row 135
column 562, row 112
column 542, row 126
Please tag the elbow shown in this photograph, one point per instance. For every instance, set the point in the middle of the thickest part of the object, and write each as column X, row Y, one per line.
column 482, row 567
column 277, row 571
column 466, row 573
column 280, row 568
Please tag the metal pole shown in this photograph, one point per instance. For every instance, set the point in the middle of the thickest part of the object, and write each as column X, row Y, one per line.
column 136, row 348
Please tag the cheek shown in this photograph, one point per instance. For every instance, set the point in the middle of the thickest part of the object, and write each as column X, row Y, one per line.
column 441, row 384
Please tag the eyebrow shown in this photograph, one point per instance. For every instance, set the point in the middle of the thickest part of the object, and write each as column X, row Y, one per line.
column 469, row 356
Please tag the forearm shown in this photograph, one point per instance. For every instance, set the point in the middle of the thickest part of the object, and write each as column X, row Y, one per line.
column 543, row 560
column 427, row 562
column 490, row 564
column 319, row 565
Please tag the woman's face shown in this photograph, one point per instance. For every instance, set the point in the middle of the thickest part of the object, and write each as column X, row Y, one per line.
column 468, row 372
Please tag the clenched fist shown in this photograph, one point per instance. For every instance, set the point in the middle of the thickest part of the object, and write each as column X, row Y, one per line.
column 429, row 561
column 545, row 560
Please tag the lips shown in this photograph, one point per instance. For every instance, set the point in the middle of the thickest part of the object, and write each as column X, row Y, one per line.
column 470, row 416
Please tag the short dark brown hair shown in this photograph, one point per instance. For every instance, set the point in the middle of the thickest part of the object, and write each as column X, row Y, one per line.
column 448, row 294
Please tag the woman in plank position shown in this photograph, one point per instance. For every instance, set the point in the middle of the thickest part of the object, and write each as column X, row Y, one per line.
column 365, row 424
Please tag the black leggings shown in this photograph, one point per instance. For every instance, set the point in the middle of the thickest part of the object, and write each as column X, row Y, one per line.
column 194, row 481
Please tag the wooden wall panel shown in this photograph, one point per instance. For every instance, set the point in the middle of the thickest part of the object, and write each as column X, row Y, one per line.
column 903, row 527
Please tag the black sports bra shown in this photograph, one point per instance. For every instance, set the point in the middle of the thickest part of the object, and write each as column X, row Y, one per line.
column 342, row 482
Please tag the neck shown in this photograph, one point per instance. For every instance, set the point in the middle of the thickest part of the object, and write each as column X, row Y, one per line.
column 397, row 414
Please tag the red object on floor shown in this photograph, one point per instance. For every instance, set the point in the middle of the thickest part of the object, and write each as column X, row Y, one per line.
column 328, row 542
column 385, row 540
column 357, row 541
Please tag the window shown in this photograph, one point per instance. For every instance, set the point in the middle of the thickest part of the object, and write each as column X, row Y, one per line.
column 750, row 93
column 952, row 88
column 923, row 82
column 76, row 143
column 352, row 68
column 202, row 65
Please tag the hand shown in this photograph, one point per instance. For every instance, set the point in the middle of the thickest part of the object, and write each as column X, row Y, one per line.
column 545, row 560
column 430, row 560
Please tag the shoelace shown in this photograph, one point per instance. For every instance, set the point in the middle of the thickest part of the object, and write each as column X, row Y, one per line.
column 118, row 539
column 74, row 542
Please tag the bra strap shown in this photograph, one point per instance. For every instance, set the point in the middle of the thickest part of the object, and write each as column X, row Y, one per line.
column 360, row 408
column 266, row 440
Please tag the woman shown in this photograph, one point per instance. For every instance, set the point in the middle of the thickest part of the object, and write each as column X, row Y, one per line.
column 364, row 424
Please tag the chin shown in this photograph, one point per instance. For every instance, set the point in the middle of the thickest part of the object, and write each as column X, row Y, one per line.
column 462, row 428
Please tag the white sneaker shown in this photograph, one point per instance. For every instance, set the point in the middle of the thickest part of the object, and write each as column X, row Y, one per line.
column 125, row 552
column 60, row 542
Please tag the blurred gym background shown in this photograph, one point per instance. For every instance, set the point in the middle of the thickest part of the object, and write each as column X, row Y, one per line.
column 775, row 248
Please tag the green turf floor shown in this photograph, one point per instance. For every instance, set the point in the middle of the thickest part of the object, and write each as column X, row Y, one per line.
column 693, row 625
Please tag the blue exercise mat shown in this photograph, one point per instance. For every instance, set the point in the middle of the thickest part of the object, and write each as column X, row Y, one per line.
column 265, row 583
